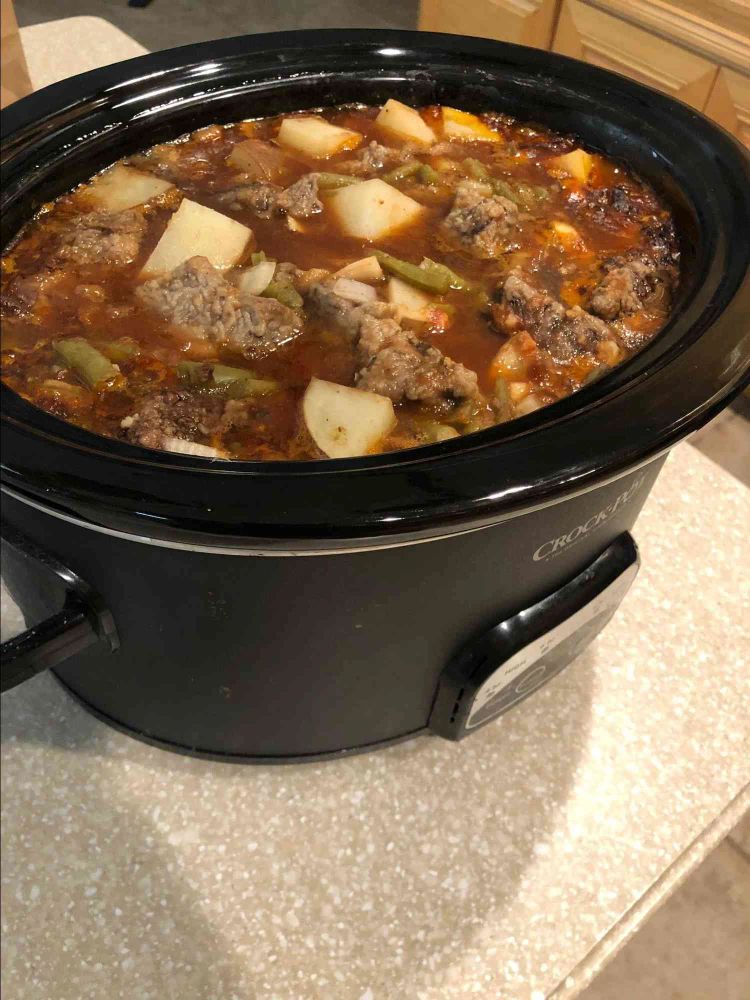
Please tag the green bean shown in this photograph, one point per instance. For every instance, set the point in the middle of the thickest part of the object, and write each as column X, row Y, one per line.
column 502, row 187
column 476, row 169
column 241, row 382
column 454, row 280
column 483, row 300
column 284, row 293
column 427, row 175
column 430, row 281
column 236, row 382
column 329, row 182
column 122, row 349
column 244, row 387
column 89, row 364
column 224, row 374
column 402, row 172
column 257, row 258
column 526, row 195
column 192, row 372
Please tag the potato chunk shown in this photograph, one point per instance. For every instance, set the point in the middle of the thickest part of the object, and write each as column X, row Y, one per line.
column 314, row 136
column 463, row 125
column 345, row 422
column 121, row 187
column 197, row 231
column 372, row 209
column 567, row 235
column 577, row 163
column 366, row 269
column 405, row 122
column 410, row 301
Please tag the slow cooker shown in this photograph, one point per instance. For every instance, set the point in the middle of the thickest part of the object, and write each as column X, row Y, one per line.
column 291, row 611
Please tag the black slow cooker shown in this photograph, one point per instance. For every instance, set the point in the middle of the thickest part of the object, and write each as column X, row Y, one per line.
column 291, row 611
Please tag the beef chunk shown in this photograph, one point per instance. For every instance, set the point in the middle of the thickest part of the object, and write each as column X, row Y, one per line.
column 663, row 244
column 168, row 414
column 397, row 364
column 623, row 290
column 95, row 238
column 196, row 296
column 266, row 199
column 375, row 157
column 301, row 199
column 628, row 284
column 392, row 361
column 621, row 200
column 609, row 204
column 563, row 332
column 346, row 315
column 22, row 293
column 260, row 197
column 102, row 237
column 298, row 277
column 480, row 219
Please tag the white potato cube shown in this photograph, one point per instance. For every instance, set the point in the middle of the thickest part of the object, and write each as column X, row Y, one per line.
column 345, row 422
column 405, row 122
column 463, row 125
column 314, row 136
column 578, row 163
column 197, row 231
column 123, row 187
column 373, row 209
column 410, row 301
column 568, row 235
column 366, row 269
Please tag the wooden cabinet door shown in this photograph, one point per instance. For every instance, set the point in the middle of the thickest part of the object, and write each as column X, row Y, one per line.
column 525, row 22
column 729, row 103
column 607, row 41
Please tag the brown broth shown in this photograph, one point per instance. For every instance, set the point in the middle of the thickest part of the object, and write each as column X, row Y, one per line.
column 96, row 301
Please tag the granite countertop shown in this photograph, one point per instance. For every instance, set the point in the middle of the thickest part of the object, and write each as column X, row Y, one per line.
column 502, row 867
column 508, row 867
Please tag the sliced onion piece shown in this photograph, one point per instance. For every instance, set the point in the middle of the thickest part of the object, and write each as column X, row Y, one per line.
column 528, row 404
column 181, row 447
column 257, row 278
column 354, row 291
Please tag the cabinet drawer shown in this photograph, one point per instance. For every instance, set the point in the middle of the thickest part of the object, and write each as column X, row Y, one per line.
column 525, row 22
column 729, row 103
column 607, row 41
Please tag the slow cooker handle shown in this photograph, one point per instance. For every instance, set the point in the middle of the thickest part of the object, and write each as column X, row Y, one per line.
column 82, row 621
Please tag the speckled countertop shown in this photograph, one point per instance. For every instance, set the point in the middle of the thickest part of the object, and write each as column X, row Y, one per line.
column 509, row 867
column 429, row 871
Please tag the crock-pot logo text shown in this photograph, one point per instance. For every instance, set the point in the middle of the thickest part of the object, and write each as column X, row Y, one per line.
column 554, row 546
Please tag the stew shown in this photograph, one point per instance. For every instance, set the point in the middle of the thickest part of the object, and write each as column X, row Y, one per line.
column 334, row 283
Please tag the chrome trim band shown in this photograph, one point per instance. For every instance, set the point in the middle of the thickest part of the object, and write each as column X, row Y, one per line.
column 225, row 550
column 220, row 550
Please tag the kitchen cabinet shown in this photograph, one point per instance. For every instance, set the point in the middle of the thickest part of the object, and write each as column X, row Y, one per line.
column 604, row 40
column 729, row 103
column 695, row 50
column 525, row 22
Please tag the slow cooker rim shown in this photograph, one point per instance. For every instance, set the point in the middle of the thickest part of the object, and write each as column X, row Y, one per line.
column 111, row 453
